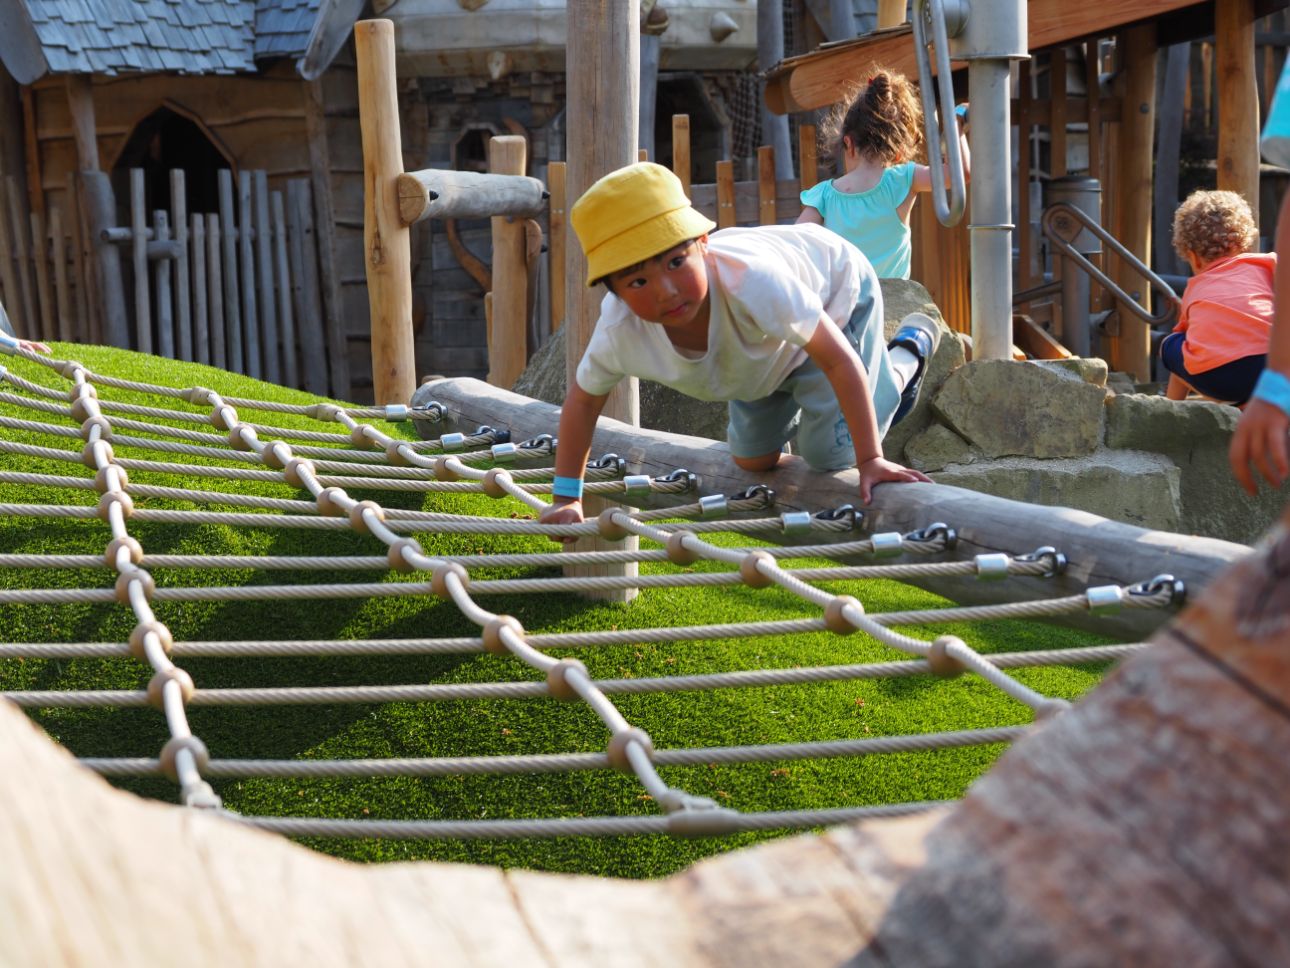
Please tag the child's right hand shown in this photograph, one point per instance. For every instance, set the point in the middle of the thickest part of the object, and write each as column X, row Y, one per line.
column 1261, row 438
column 562, row 511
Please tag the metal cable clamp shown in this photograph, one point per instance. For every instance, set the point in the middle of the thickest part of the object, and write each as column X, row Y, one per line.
column 849, row 513
column 1055, row 559
column 937, row 531
column 1176, row 588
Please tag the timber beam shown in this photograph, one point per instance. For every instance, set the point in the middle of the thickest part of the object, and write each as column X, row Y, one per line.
column 1100, row 551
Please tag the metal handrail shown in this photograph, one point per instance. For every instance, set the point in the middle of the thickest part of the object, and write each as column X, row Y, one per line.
column 951, row 212
column 1058, row 218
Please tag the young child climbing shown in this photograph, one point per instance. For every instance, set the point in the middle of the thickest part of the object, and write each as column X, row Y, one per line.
column 1220, row 345
column 879, row 134
column 783, row 322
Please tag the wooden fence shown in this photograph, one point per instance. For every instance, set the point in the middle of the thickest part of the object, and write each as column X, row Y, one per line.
column 237, row 288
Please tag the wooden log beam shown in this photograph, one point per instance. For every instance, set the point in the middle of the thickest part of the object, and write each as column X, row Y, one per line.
column 813, row 80
column 387, row 243
column 1101, row 552
column 1124, row 803
column 441, row 193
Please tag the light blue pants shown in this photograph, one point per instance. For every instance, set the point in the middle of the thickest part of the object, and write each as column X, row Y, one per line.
column 805, row 408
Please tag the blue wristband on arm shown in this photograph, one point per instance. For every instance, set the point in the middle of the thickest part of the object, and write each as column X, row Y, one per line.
column 567, row 487
column 1273, row 388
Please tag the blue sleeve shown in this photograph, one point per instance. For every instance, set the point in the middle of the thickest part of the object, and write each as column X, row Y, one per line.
column 899, row 179
column 814, row 196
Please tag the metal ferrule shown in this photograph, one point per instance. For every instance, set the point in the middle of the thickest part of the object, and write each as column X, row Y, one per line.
column 505, row 453
column 887, row 544
column 992, row 567
column 637, row 485
column 796, row 522
column 1104, row 599
column 396, row 411
column 713, row 506
column 452, row 442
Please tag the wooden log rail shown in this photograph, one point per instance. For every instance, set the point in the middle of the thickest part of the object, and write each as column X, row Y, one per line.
column 443, row 193
column 1101, row 552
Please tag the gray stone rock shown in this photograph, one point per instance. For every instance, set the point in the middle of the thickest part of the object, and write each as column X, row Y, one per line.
column 1196, row 436
column 937, row 447
column 1089, row 369
column 1008, row 408
column 1131, row 486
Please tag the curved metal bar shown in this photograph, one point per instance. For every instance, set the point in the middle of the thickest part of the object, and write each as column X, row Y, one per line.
column 1051, row 225
column 948, row 212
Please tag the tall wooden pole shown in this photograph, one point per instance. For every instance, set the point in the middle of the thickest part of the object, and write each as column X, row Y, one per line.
column 387, row 243
column 508, row 341
column 1132, row 352
column 891, row 13
column 1238, row 100
column 602, row 112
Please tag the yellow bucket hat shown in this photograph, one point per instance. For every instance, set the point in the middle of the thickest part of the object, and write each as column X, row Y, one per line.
column 631, row 215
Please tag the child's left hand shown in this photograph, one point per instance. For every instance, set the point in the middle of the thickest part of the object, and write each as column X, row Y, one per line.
column 879, row 469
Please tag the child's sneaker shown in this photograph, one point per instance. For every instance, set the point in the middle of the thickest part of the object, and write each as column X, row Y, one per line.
column 919, row 334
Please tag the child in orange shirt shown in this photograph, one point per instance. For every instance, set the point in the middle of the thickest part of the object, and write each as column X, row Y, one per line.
column 1220, row 345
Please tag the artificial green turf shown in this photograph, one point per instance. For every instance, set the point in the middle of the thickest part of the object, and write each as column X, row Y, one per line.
column 478, row 727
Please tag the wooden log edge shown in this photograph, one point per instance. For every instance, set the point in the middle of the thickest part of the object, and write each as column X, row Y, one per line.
column 1100, row 551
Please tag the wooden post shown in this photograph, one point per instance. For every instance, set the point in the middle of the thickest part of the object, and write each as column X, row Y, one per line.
column 1238, row 100
column 199, row 342
column 215, row 284
column 1057, row 108
column 58, row 255
column 508, row 352
column 9, row 272
column 30, row 322
column 304, row 285
column 558, row 227
column 387, row 242
column 264, row 276
column 766, row 213
column 1137, row 131
column 1207, row 84
column 602, row 117
column 228, row 272
column 291, row 372
column 1025, row 266
column 726, row 216
column 163, row 271
column 651, row 49
column 681, row 150
column 325, row 221
column 139, row 260
column 40, row 262
column 101, row 212
column 246, row 270
column 808, row 163
column 1168, row 148
column 35, row 188
column 183, row 316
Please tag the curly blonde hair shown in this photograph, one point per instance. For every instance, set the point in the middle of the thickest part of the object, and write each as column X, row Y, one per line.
column 1211, row 225
column 882, row 117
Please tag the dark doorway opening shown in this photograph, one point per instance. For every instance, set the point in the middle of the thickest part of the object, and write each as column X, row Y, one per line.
column 164, row 140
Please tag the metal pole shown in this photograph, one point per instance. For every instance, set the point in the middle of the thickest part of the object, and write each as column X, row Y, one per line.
column 990, row 230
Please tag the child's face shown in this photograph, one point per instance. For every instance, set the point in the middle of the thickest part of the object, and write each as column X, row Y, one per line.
column 670, row 289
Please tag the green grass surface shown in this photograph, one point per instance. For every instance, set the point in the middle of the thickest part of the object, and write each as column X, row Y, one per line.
column 483, row 727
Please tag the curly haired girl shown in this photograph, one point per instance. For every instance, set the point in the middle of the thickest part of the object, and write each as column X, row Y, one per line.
column 878, row 133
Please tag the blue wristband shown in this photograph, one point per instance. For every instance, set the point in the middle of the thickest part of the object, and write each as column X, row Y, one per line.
column 567, row 487
column 1274, row 388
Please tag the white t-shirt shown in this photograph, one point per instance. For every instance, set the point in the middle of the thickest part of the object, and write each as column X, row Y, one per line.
column 767, row 289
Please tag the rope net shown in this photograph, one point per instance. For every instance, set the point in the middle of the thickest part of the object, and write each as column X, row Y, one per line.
column 317, row 469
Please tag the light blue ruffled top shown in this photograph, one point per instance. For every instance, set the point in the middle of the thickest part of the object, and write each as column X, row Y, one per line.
column 870, row 220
